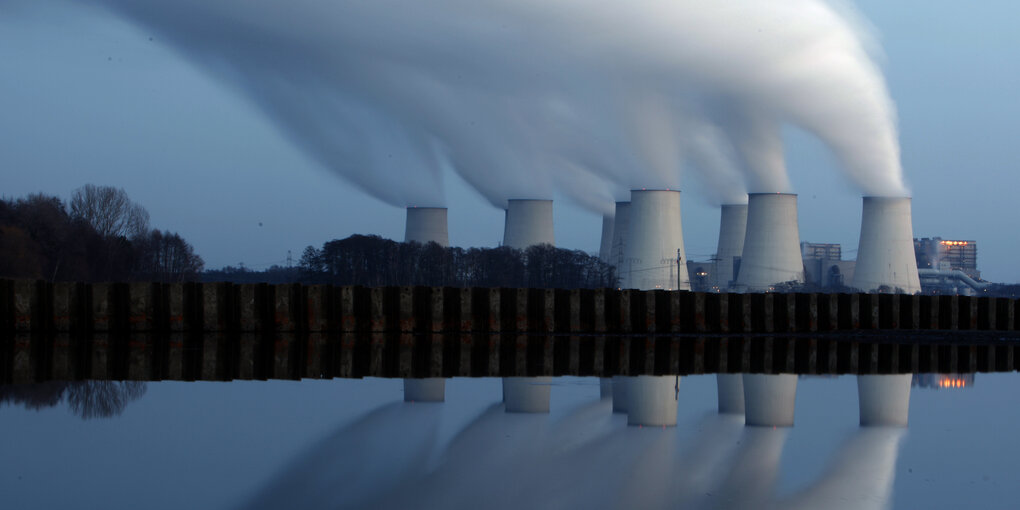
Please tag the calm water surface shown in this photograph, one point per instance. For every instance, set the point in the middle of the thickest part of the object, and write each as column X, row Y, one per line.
column 356, row 444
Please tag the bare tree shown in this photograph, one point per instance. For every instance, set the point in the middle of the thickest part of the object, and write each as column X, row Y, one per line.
column 167, row 257
column 109, row 211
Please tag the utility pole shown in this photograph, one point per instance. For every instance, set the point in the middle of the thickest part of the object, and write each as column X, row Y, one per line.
column 678, row 262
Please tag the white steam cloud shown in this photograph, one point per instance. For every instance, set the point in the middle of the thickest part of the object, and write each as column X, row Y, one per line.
column 524, row 98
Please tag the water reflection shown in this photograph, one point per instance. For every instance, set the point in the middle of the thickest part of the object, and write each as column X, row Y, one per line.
column 588, row 457
column 86, row 399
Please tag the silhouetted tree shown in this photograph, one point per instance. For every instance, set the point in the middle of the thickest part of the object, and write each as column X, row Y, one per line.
column 109, row 211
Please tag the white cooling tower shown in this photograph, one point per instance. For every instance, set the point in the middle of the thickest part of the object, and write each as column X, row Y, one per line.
column 621, row 224
column 652, row 401
column 885, row 254
column 732, row 229
column 426, row 224
column 769, row 400
column 654, row 240
column 884, row 399
column 771, row 251
column 606, row 244
column 528, row 223
column 731, row 393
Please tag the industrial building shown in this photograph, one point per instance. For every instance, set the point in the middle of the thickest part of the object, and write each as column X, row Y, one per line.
column 948, row 266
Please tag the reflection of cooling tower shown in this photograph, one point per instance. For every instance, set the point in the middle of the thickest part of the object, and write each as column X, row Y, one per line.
column 731, row 393
column 528, row 222
column 885, row 254
column 654, row 240
column 605, row 388
column 620, row 383
column 526, row 394
column 732, row 229
column 769, row 400
column 771, row 251
column 621, row 224
column 651, row 400
column 606, row 246
column 884, row 399
column 426, row 224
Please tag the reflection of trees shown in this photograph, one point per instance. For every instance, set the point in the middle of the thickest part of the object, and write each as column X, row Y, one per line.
column 87, row 399
column 102, row 399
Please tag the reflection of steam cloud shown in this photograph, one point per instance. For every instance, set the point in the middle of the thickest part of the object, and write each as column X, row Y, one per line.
column 87, row 399
column 586, row 458
column 358, row 461
column 862, row 475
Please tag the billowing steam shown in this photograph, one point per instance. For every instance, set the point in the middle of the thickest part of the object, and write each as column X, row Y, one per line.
column 524, row 98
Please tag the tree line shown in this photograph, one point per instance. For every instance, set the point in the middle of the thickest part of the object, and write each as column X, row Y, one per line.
column 100, row 235
column 374, row 261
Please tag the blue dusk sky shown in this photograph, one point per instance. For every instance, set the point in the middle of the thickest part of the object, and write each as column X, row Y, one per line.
column 88, row 96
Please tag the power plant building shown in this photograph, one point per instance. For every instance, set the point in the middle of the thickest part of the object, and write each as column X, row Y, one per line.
column 948, row 266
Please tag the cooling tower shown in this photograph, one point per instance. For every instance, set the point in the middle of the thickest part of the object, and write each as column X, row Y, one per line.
column 884, row 399
column 731, row 393
column 652, row 400
column 769, row 400
column 426, row 224
column 606, row 245
column 732, row 229
column 885, row 254
column 771, row 251
column 528, row 222
column 621, row 224
column 654, row 240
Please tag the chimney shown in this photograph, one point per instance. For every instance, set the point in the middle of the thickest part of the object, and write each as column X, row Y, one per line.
column 654, row 240
column 771, row 251
column 885, row 254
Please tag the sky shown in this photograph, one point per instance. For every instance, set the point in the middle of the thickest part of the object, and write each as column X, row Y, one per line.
column 88, row 97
